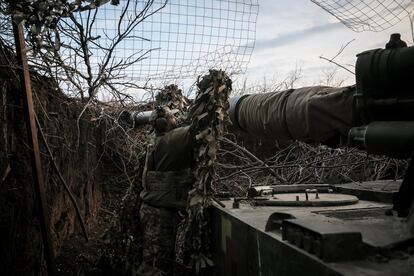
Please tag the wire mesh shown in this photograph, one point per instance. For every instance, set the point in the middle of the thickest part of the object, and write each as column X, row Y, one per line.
column 179, row 41
column 373, row 15
column 6, row 29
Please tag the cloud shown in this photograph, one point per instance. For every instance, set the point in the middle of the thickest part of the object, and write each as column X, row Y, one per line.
column 296, row 33
column 295, row 36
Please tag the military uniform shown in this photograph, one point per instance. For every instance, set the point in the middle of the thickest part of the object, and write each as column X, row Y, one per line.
column 167, row 178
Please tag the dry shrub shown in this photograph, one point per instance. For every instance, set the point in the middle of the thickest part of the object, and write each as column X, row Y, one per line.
column 299, row 162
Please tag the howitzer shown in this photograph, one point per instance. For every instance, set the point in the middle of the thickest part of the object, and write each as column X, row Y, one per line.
column 346, row 229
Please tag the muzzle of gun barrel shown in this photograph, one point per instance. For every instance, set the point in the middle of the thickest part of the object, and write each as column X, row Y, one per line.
column 392, row 138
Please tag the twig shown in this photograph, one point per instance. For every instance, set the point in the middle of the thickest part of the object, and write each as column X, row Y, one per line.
column 218, row 202
column 331, row 60
column 342, row 48
column 72, row 198
column 78, row 121
column 255, row 158
column 337, row 64
column 411, row 17
column 6, row 173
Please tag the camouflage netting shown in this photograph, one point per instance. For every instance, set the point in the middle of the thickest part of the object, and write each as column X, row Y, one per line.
column 41, row 15
column 173, row 98
column 374, row 15
column 208, row 115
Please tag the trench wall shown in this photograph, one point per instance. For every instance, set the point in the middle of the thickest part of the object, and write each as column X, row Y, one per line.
column 21, row 250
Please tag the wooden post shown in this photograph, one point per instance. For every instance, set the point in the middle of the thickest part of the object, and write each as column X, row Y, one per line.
column 34, row 145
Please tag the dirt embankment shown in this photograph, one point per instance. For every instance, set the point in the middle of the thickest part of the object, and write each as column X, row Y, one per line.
column 78, row 161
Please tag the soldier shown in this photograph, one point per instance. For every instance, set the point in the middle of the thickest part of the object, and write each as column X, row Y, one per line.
column 168, row 174
column 167, row 177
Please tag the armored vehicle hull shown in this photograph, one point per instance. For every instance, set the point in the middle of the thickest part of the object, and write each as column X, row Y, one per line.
column 360, row 238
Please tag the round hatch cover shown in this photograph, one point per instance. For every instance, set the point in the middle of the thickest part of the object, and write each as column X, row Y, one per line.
column 308, row 199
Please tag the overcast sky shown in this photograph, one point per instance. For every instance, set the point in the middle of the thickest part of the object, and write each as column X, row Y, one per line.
column 293, row 34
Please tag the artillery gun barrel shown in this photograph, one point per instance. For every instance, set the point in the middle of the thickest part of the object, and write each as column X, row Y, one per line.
column 374, row 115
column 315, row 113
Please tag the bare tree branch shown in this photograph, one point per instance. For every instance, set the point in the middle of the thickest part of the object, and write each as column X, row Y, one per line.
column 331, row 60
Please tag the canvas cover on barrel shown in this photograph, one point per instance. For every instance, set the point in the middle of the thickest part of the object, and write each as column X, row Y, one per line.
column 317, row 113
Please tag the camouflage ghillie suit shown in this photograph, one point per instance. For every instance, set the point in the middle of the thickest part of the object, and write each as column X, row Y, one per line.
column 167, row 178
column 159, row 227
